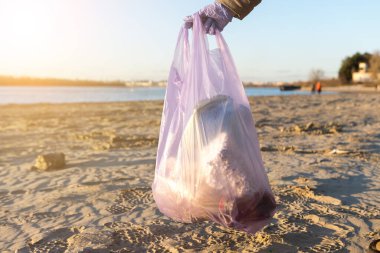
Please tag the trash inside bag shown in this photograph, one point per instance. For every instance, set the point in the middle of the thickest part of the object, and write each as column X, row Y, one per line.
column 209, row 165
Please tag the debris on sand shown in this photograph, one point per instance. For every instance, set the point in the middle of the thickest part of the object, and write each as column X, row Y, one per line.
column 313, row 128
column 49, row 162
column 136, row 141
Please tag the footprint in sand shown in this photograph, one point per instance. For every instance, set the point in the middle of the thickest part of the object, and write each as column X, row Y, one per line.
column 55, row 241
column 285, row 226
column 328, row 244
column 170, row 236
column 316, row 221
column 118, row 209
column 122, row 237
column 128, row 199
column 50, row 246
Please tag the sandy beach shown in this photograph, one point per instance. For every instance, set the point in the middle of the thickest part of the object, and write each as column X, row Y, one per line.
column 352, row 88
column 322, row 155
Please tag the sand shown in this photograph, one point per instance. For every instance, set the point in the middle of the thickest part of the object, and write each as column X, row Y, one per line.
column 321, row 153
column 355, row 88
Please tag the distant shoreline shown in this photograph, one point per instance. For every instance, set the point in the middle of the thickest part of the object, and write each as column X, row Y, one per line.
column 11, row 81
column 6, row 81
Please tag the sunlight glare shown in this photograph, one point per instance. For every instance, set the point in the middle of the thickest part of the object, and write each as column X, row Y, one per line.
column 25, row 24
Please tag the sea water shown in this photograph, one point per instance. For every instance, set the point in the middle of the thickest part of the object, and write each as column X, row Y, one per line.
column 38, row 94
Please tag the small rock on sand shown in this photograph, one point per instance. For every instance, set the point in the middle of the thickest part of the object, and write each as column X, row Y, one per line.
column 309, row 126
column 49, row 162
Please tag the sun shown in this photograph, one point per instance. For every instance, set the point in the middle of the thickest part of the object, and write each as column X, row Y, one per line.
column 24, row 24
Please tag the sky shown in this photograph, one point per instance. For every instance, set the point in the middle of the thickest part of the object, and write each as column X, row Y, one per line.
column 133, row 40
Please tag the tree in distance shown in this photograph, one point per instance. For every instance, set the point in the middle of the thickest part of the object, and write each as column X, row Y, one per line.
column 351, row 64
column 316, row 75
column 375, row 66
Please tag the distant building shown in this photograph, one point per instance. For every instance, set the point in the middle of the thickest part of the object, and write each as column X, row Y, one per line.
column 145, row 83
column 362, row 76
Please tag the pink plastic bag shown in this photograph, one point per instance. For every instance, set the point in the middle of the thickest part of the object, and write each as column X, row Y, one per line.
column 209, row 165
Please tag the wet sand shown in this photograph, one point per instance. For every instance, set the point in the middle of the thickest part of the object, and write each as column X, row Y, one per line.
column 322, row 154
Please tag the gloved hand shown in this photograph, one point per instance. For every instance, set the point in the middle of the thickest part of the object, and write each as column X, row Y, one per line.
column 214, row 16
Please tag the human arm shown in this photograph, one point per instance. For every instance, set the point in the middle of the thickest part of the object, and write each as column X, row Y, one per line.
column 240, row 8
column 217, row 15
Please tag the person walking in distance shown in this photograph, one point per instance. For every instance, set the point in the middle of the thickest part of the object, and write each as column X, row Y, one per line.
column 318, row 87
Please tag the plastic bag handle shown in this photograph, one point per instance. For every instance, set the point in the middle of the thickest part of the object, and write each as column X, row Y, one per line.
column 199, row 34
column 227, row 61
column 200, row 44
